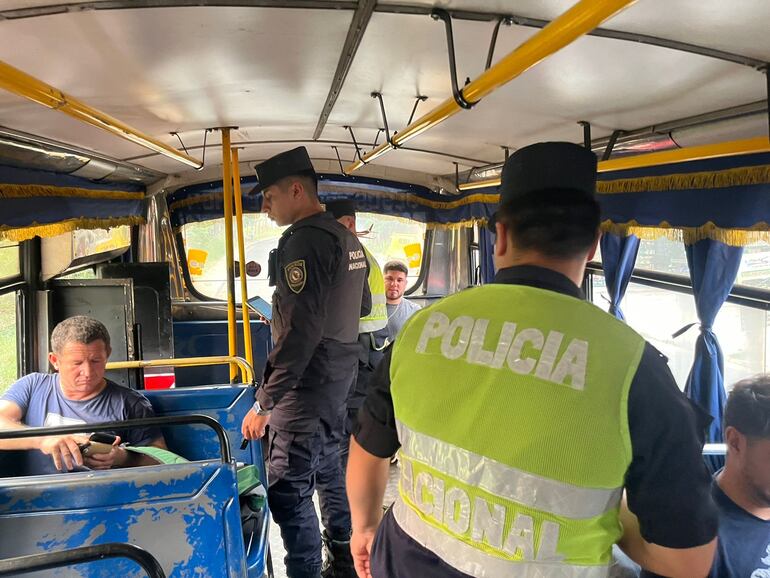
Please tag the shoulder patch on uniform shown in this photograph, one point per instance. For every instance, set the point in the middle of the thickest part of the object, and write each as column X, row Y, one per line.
column 296, row 275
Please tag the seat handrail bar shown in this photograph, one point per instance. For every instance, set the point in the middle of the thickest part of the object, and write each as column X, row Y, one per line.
column 246, row 370
column 170, row 420
column 50, row 560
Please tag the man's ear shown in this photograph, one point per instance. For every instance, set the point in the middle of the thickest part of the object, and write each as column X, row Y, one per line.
column 53, row 360
column 735, row 440
column 501, row 239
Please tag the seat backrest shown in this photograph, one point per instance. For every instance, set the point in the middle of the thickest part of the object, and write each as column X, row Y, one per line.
column 185, row 515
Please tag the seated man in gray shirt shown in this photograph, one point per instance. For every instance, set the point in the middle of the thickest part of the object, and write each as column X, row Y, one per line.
column 77, row 394
column 399, row 308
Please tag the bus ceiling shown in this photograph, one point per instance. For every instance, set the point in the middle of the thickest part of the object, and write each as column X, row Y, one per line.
column 173, row 70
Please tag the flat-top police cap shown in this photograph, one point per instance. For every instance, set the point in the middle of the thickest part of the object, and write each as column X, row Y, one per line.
column 546, row 166
column 286, row 164
column 341, row 208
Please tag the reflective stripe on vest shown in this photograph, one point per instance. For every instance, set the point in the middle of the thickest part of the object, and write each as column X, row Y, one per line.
column 503, row 481
column 511, row 404
column 378, row 317
column 477, row 563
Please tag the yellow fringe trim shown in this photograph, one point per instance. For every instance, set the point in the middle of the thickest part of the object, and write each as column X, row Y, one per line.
column 32, row 191
column 459, row 225
column 35, row 230
column 195, row 201
column 690, row 235
column 704, row 180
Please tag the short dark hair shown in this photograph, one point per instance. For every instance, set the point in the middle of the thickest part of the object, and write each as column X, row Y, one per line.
column 309, row 180
column 554, row 222
column 396, row 266
column 78, row 329
column 748, row 407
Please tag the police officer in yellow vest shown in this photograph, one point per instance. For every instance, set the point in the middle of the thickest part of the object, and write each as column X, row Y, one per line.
column 372, row 329
column 523, row 412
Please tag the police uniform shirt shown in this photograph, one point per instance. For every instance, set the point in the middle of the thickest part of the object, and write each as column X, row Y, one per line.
column 319, row 270
column 667, row 482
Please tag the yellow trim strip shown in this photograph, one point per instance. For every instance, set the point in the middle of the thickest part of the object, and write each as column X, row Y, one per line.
column 690, row 235
column 571, row 25
column 742, row 176
column 31, row 191
column 22, row 84
column 247, row 346
column 51, row 230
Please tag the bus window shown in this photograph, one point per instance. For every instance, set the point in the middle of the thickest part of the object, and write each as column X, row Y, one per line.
column 204, row 245
column 657, row 311
column 393, row 238
column 8, row 361
column 9, row 260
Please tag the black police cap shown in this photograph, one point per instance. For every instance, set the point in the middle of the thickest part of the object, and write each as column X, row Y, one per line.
column 547, row 166
column 286, row 164
column 341, row 208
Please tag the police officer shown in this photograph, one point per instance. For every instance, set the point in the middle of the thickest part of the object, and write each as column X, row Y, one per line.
column 319, row 271
column 523, row 412
column 372, row 329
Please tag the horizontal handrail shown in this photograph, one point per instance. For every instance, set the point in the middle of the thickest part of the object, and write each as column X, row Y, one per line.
column 50, row 560
column 247, row 372
column 224, row 444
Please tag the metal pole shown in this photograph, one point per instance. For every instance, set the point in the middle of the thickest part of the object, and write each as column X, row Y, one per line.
column 227, row 191
column 242, row 258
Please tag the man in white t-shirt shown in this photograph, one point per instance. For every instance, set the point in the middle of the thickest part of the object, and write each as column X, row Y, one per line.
column 399, row 308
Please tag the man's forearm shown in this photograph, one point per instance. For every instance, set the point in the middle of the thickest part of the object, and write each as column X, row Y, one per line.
column 367, row 478
column 18, row 443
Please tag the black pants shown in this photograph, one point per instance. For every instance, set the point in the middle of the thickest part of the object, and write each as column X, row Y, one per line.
column 300, row 463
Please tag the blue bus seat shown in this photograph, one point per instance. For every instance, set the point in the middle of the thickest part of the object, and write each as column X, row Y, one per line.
column 185, row 515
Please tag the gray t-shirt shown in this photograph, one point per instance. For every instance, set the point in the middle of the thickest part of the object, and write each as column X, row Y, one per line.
column 397, row 316
column 43, row 405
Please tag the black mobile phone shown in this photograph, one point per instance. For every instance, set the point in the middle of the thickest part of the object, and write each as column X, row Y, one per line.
column 103, row 438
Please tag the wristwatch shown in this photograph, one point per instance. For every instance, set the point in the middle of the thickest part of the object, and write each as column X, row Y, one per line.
column 260, row 410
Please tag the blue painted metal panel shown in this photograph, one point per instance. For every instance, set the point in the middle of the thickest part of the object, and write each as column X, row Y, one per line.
column 185, row 515
column 228, row 405
column 203, row 338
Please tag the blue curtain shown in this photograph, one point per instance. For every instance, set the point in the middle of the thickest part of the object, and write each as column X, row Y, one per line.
column 618, row 258
column 713, row 269
column 486, row 255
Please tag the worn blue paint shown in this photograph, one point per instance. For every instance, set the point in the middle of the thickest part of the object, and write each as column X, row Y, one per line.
column 186, row 515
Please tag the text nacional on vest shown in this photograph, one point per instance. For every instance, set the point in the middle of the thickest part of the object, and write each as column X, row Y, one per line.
column 357, row 260
column 523, row 350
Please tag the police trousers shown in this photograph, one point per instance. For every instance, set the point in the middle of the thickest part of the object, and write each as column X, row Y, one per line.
column 298, row 465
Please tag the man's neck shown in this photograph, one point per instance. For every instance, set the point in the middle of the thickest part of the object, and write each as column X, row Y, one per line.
column 573, row 269
column 74, row 395
column 308, row 211
column 394, row 301
column 735, row 488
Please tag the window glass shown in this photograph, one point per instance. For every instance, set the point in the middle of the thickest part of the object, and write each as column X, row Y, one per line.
column 393, row 238
column 659, row 313
column 662, row 255
column 755, row 266
column 9, row 260
column 95, row 241
column 205, row 249
column 8, row 361
column 386, row 237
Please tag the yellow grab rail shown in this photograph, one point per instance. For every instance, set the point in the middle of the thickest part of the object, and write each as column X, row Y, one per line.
column 22, row 84
column 582, row 18
column 227, row 193
column 247, row 371
column 242, row 258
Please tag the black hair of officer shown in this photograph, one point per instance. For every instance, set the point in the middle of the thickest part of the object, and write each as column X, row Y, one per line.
column 547, row 199
column 343, row 208
column 292, row 163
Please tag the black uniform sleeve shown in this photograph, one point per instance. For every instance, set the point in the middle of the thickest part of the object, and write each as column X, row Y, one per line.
column 303, row 313
column 668, row 484
column 375, row 430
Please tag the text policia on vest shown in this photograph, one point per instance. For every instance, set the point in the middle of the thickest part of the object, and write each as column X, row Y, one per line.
column 466, row 336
